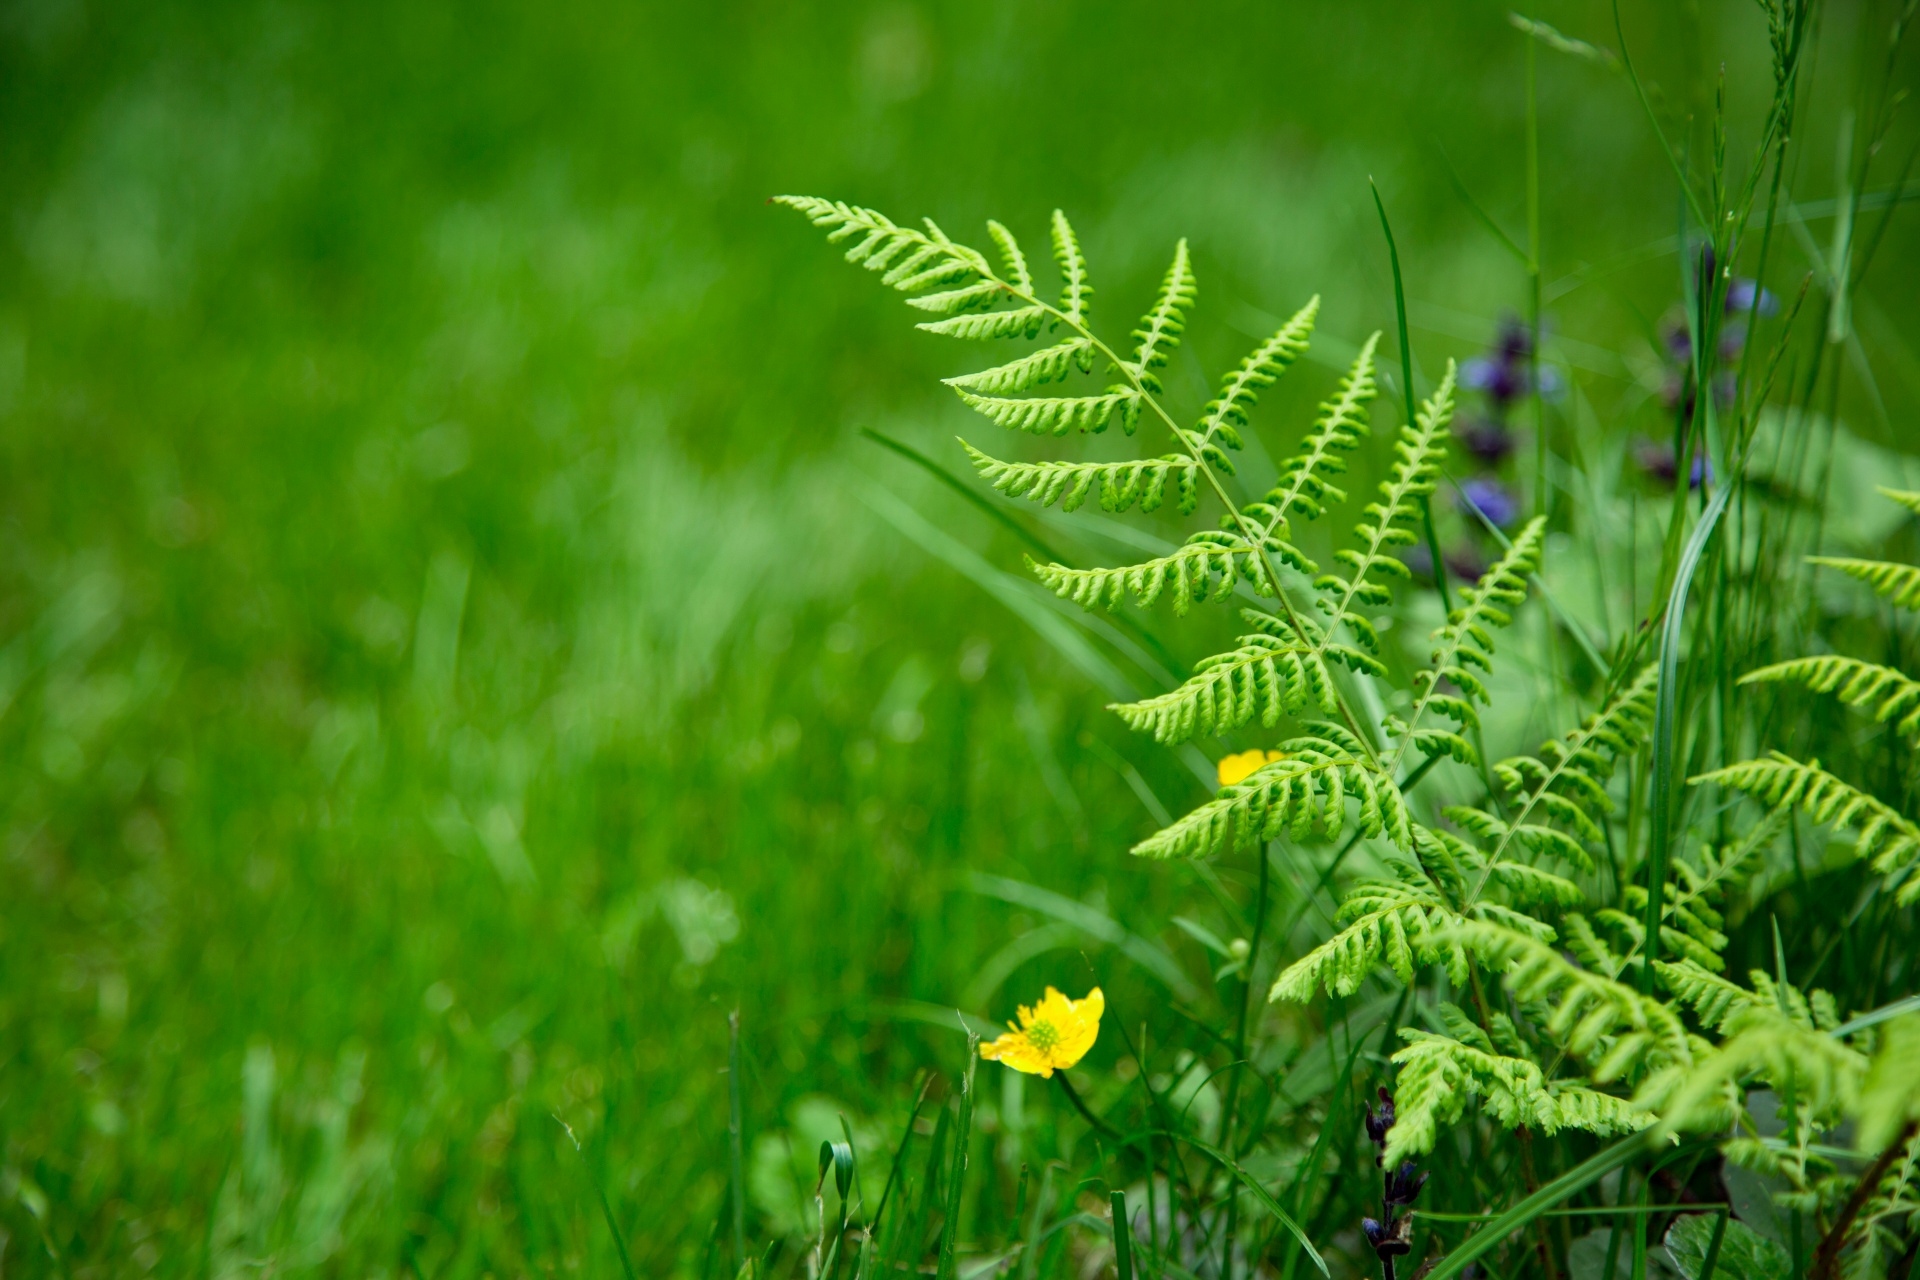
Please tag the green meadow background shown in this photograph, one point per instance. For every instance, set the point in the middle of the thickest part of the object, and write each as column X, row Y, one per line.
column 457, row 645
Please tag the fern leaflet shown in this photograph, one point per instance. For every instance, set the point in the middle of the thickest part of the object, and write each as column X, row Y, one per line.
column 1119, row 484
column 1890, row 841
column 1897, row 583
column 1159, row 330
column 1888, row 693
column 1307, row 787
column 1264, row 676
column 1465, row 641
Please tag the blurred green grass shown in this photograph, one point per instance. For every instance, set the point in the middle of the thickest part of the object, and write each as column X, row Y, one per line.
column 449, row 656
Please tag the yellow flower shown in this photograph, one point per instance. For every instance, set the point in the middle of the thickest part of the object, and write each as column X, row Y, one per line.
column 1052, row 1035
column 1239, row 768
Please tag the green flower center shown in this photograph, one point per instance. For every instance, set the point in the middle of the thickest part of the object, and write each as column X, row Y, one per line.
column 1042, row 1035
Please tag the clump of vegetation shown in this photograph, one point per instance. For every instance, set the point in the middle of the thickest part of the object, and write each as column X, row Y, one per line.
column 1544, row 948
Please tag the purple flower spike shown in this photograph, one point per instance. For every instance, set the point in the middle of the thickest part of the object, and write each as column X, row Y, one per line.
column 1493, row 499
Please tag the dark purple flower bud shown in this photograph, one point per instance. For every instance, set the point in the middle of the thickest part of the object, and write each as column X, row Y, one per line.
column 1493, row 500
column 1388, row 1240
column 1485, row 439
column 1513, row 342
column 1747, row 295
column 1404, row 1183
column 1504, row 381
column 1380, row 1119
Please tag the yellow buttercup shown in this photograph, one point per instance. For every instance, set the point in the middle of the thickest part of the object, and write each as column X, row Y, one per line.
column 1240, row 767
column 1052, row 1035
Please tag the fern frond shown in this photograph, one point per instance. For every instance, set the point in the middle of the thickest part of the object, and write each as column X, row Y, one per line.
column 1888, row 840
column 1057, row 415
column 1228, row 411
column 1404, row 923
column 1075, row 291
column 882, row 243
column 1886, row 692
column 1017, row 274
column 1264, row 676
column 1159, row 330
column 1567, row 781
column 1338, row 429
column 1617, row 1029
column 1385, row 524
column 1712, row 997
column 1206, row 568
column 1897, row 583
column 1396, row 923
column 1049, row 364
column 1466, row 640
column 1873, row 1240
column 1307, row 787
column 1119, row 484
column 1765, row 1044
column 1018, row 322
column 1439, row 1074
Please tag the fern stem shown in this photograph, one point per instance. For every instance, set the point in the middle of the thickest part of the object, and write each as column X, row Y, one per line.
column 1826, row 1258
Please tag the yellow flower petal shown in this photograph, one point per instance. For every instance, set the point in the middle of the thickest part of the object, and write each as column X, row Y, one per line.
column 1052, row 1036
column 1240, row 767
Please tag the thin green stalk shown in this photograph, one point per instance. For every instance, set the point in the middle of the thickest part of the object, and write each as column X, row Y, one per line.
column 736, row 1176
column 1406, row 391
column 957, row 1167
column 1540, row 488
column 1122, row 1237
column 606, row 1206
column 1521, row 1215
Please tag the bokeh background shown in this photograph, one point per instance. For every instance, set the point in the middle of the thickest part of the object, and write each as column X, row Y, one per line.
column 456, row 644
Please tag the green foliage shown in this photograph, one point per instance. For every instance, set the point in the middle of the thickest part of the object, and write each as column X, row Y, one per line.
column 1597, row 1027
column 1440, row 1075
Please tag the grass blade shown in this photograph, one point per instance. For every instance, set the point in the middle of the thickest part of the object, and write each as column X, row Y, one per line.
column 1522, row 1215
column 1406, row 392
column 957, row 1175
column 1664, row 781
column 1122, row 1238
column 736, row 1176
column 606, row 1206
